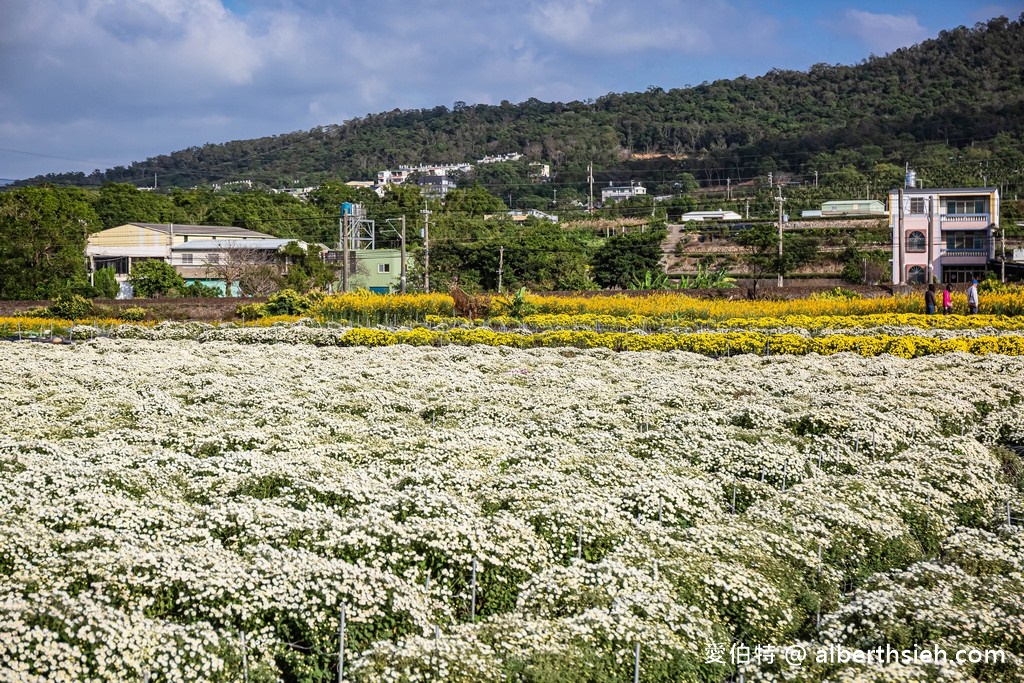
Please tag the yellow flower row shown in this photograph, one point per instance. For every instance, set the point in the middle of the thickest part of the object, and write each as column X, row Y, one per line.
column 595, row 321
column 707, row 343
column 674, row 305
column 363, row 305
column 28, row 326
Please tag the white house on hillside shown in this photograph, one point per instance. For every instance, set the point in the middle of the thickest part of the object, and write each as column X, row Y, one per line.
column 719, row 215
column 616, row 193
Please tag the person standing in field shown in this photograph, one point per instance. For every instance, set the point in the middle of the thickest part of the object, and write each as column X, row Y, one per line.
column 947, row 301
column 972, row 298
column 929, row 300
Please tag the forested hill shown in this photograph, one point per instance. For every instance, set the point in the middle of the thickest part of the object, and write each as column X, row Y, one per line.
column 960, row 91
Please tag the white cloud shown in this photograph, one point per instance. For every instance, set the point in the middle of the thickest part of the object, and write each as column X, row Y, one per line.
column 599, row 27
column 883, row 33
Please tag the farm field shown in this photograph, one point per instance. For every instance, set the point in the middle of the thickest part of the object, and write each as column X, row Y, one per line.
column 172, row 510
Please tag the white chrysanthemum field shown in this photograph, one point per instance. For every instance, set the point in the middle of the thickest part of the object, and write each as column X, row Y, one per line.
column 184, row 511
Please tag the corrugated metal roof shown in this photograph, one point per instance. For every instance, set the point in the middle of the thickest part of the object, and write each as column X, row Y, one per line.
column 211, row 230
column 271, row 244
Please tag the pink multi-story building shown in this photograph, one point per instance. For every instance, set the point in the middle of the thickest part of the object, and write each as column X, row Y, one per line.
column 942, row 235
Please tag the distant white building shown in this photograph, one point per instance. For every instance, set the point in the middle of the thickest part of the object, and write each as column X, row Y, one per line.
column 436, row 184
column 616, row 193
column 520, row 215
column 498, row 158
column 367, row 185
column 393, row 177
column 719, row 215
column 298, row 192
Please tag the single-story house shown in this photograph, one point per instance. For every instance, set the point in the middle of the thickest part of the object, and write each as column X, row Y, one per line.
column 853, row 207
column 121, row 246
column 719, row 215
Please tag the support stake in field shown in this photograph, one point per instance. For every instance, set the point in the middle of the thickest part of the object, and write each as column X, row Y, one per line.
column 341, row 645
column 472, row 595
column 245, row 659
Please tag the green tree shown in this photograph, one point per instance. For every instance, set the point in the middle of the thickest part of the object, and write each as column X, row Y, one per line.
column 761, row 244
column 120, row 203
column 195, row 204
column 104, row 281
column 43, row 232
column 473, row 201
column 537, row 254
column 624, row 257
column 306, row 271
column 153, row 278
column 200, row 291
column 276, row 214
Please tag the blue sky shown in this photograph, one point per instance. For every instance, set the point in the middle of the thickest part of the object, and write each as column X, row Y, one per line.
column 87, row 84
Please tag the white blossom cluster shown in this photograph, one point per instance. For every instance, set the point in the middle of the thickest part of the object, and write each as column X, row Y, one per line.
column 178, row 511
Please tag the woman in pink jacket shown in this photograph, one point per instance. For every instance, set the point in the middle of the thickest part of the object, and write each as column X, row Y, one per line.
column 947, row 301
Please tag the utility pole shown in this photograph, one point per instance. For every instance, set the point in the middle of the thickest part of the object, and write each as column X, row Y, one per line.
column 728, row 189
column 815, row 178
column 779, row 199
column 426, row 248
column 1002, row 259
column 590, row 179
column 501, row 265
column 402, row 278
column 898, row 239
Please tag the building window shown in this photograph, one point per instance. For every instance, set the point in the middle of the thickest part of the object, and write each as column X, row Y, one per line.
column 383, row 268
column 961, row 275
column 916, row 275
column 962, row 206
column 213, row 258
column 917, row 205
column 965, row 239
column 186, row 259
column 915, row 241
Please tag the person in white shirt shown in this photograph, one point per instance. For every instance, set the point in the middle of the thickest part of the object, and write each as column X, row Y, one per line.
column 972, row 298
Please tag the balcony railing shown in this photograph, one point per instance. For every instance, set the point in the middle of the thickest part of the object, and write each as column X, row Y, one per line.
column 972, row 218
column 964, row 252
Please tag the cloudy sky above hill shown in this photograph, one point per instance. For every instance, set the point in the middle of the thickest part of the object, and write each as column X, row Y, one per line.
column 91, row 84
